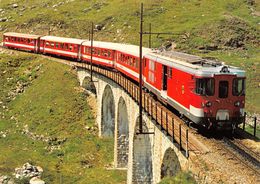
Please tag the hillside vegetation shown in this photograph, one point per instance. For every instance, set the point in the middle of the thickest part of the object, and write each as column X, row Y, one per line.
column 225, row 30
column 45, row 120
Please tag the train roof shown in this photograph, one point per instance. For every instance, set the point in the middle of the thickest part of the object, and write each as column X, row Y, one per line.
column 194, row 64
column 22, row 35
column 63, row 39
column 125, row 48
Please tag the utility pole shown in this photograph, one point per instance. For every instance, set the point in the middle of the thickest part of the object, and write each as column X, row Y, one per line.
column 140, row 73
column 150, row 35
column 91, row 54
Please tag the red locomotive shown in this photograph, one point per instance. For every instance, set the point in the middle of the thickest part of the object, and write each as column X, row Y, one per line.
column 205, row 91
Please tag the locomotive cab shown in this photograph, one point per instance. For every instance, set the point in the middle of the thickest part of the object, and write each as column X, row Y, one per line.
column 222, row 100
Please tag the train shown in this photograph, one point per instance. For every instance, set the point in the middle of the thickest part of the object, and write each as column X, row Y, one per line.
column 204, row 91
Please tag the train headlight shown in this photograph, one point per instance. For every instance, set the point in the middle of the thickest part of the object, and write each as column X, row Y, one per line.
column 209, row 104
column 237, row 103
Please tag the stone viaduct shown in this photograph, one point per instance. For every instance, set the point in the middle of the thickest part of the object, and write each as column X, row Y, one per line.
column 147, row 157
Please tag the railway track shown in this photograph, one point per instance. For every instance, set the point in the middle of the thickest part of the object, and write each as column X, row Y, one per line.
column 243, row 154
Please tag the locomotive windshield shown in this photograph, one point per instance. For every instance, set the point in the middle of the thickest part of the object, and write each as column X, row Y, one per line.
column 238, row 88
column 205, row 86
column 223, row 89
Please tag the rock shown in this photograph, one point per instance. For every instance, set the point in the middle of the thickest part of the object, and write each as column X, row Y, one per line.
column 98, row 27
column 39, row 169
column 125, row 24
column 15, row 5
column 4, row 19
column 251, row 2
column 87, row 127
column 212, row 47
column 36, row 180
column 4, row 179
column 28, row 171
column 22, row 9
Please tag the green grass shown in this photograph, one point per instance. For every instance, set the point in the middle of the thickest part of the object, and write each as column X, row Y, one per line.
column 250, row 130
column 53, row 106
column 181, row 177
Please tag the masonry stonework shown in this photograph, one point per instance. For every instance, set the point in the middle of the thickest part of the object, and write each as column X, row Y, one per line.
column 147, row 157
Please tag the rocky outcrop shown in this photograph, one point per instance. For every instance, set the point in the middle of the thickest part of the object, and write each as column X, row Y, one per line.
column 28, row 171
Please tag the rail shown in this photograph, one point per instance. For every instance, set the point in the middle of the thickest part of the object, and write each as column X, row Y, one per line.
column 245, row 155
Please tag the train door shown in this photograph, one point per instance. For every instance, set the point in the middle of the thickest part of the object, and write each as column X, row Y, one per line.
column 145, row 68
column 164, row 78
column 37, row 45
column 79, row 51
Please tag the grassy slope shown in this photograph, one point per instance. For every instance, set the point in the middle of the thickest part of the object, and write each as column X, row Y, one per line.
column 51, row 106
column 204, row 22
column 181, row 177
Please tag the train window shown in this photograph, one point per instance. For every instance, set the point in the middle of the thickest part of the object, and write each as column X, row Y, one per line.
column 151, row 76
column 120, row 57
column 103, row 53
column 71, row 47
column 152, row 65
column 93, row 51
column 108, row 54
column 18, row 39
column 52, row 44
column 134, row 61
column 66, row 46
column 62, row 45
column 130, row 59
column 151, row 71
column 238, row 87
column 28, row 41
column 223, row 89
column 169, row 72
column 75, row 48
column 205, row 86
column 57, row 45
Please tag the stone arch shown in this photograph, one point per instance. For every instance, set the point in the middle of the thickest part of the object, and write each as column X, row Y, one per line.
column 108, row 113
column 142, row 156
column 170, row 164
column 89, row 85
column 123, row 134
